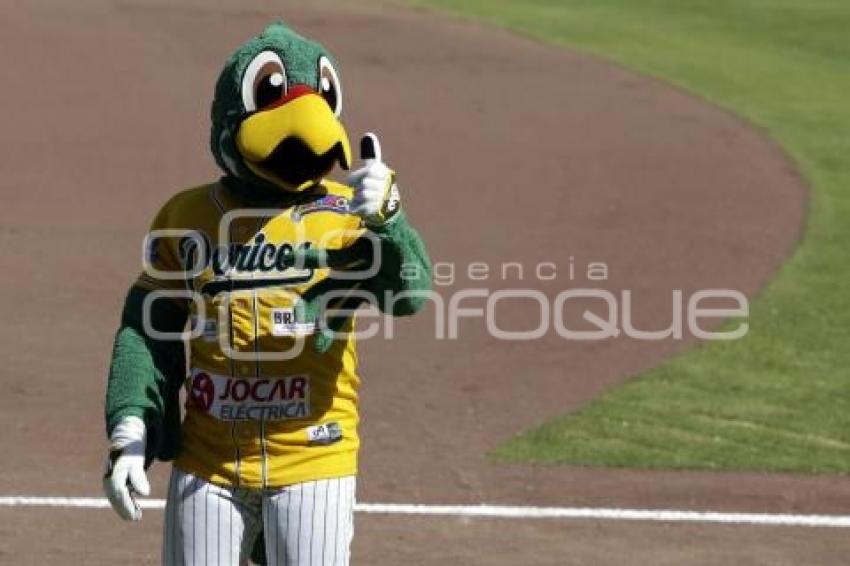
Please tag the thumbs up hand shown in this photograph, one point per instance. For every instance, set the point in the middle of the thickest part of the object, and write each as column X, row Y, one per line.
column 376, row 197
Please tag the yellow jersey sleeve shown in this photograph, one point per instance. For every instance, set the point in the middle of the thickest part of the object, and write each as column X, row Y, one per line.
column 176, row 223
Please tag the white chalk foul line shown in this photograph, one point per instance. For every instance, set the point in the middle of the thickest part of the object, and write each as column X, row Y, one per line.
column 613, row 514
column 502, row 512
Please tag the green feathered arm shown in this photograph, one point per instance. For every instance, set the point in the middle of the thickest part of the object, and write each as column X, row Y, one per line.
column 399, row 288
column 146, row 374
column 404, row 275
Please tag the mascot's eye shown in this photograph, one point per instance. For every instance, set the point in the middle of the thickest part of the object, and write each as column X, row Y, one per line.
column 329, row 87
column 264, row 81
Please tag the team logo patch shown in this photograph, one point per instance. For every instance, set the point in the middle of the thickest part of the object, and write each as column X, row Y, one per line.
column 330, row 203
column 250, row 399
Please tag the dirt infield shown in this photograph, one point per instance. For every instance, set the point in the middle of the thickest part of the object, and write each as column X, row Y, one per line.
column 509, row 151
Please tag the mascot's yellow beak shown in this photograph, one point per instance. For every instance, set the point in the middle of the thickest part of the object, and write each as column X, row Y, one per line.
column 294, row 142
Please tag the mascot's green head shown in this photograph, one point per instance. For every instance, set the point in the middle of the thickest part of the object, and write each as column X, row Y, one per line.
column 275, row 117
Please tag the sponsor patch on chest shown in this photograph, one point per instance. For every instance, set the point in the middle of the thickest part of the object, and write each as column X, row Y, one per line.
column 284, row 324
column 250, row 399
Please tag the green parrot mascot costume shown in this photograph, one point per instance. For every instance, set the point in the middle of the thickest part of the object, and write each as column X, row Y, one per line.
column 246, row 302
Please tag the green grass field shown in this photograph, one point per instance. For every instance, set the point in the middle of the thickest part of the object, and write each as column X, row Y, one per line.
column 779, row 399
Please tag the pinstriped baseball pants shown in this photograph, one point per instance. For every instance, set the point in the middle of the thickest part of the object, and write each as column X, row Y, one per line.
column 306, row 524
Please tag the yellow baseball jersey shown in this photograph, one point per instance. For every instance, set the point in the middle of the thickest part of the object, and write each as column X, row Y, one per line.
column 263, row 409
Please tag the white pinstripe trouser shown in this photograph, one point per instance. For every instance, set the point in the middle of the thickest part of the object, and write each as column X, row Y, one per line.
column 306, row 524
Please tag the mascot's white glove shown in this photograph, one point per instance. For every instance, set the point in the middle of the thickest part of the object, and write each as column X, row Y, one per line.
column 376, row 197
column 125, row 468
